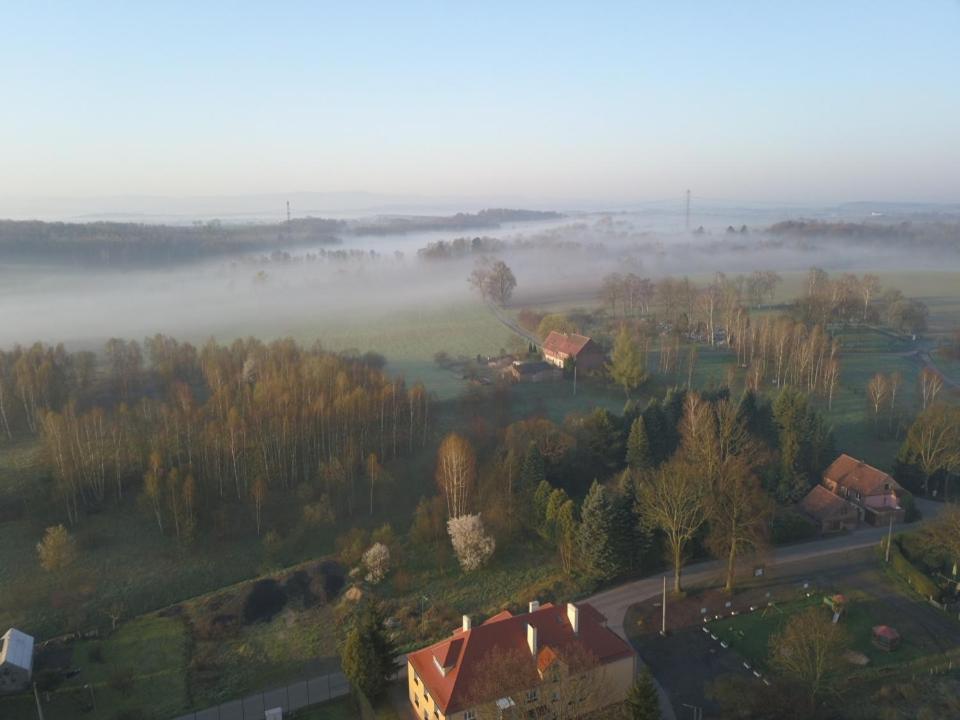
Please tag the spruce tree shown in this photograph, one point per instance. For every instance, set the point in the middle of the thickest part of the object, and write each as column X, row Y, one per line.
column 540, row 499
column 367, row 654
column 642, row 701
column 655, row 423
column 639, row 456
column 533, row 470
column 597, row 541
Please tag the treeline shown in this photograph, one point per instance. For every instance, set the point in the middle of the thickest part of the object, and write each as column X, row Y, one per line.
column 489, row 218
column 849, row 298
column 461, row 247
column 932, row 234
column 112, row 244
column 190, row 431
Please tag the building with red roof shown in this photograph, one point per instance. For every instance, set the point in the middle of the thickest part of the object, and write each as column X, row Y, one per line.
column 829, row 511
column 560, row 348
column 555, row 646
column 875, row 493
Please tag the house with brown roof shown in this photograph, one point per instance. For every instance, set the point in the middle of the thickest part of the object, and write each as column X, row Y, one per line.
column 830, row 512
column 568, row 664
column 559, row 348
column 875, row 493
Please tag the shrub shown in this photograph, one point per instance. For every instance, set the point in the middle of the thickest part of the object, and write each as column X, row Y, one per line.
column 351, row 544
column 791, row 526
column 57, row 550
column 266, row 599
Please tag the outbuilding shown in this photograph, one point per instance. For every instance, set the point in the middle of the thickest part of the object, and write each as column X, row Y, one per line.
column 16, row 661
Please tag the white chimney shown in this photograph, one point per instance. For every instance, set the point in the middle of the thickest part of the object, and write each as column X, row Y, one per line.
column 466, row 623
column 532, row 639
column 534, row 606
column 573, row 615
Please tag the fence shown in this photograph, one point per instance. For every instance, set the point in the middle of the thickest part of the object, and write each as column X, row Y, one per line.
column 291, row 697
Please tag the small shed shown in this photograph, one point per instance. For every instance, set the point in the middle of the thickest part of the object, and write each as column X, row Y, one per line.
column 16, row 661
column 886, row 638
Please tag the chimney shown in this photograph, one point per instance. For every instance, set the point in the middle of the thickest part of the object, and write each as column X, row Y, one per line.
column 573, row 615
column 532, row 639
column 534, row 606
column 466, row 623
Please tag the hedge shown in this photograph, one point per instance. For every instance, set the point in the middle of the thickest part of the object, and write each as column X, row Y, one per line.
column 914, row 577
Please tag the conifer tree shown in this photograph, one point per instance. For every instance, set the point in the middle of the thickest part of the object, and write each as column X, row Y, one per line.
column 597, row 538
column 367, row 654
column 642, row 701
column 639, row 456
column 533, row 470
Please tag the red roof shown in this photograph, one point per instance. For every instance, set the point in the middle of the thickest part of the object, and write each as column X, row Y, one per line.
column 570, row 345
column 886, row 632
column 506, row 632
column 822, row 504
column 857, row 475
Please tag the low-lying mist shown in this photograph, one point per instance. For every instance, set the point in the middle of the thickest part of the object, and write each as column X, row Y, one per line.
column 303, row 290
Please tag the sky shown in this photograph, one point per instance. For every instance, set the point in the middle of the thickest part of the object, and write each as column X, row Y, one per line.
column 811, row 102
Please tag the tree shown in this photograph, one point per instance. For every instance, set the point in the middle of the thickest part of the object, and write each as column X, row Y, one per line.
column 259, row 493
column 809, row 649
column 555, row 322
column 57, row 550
column 639, row 455
column 643, row 701
column 596, row 540
column 931, row 382
column 471, row 544
column 673, row 501
column 740, row 512
column 456, row 473
column 366, row 653
column 933, row 443
column 500, row 282
column 532, row 471
column 376, row 476
column 869, row 287
column 377, row 562
column 943, row 533
column 877, row 390
column 626, row 366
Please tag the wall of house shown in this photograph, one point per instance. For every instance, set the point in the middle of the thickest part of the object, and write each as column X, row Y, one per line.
column 420, row 699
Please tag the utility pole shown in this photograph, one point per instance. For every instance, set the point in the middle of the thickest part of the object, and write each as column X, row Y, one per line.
column 889, row 537
column 663, row 622
column 37, row 698
column 687, row 214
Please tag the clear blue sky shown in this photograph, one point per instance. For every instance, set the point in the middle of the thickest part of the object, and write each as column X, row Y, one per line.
column 766, row 100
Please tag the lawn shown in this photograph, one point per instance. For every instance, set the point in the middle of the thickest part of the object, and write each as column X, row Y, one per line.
column 140, row 670
column 749, row 633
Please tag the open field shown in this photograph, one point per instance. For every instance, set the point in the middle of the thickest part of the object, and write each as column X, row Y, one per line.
column 138, row 671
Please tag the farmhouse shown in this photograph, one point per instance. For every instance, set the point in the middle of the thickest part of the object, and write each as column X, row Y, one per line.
column 558, row 348
column 875, row 493
column 830, row 512
column 444, row 679
column 16, row 661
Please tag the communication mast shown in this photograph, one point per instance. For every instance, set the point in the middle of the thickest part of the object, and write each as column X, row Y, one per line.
column 288, row 212
column 687, row 214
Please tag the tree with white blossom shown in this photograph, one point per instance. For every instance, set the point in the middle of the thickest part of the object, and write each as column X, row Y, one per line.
column 471, row 543
column 377, row 562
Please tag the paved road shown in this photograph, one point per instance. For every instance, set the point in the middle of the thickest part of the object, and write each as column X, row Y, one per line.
column 614, row 603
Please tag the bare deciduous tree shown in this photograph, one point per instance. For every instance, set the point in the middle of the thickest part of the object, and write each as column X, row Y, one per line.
column 456, row 473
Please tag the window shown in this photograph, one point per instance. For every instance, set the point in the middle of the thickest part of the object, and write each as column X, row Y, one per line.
column 436, row 713
column 416, row 701
column 470, row 715
column 531, row 696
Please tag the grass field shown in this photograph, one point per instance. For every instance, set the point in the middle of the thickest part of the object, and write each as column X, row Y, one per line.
column 140, row 670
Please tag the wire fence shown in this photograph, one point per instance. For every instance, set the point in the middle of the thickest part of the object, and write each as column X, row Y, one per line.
column 290, row 697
